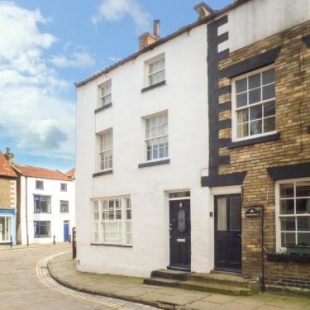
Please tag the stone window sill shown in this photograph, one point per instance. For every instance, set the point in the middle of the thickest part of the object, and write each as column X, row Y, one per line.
column 154, row 163
column 277, row 257
column 98, row 174
column 153, row 86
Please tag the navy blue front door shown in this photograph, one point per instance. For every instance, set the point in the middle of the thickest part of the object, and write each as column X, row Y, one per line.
column 180, row 235
column 228, row 233
column 66, row 231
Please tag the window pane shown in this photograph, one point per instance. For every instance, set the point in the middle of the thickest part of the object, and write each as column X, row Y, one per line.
column 287, row 239
column 242, row 130
column 222, row 214
column 268, row 92
column 269, row 124
column 288, row 224
column 235, row 214
column 242, row 100
column 287, row 206
column 254, row 96
column 256, row 127
column 303, row 239
column 254, row 81
column 303, row 223
column 303, row 189
column 268, row 76
column 269, row 109
column 242, row 116
column 256, row 112
column 302, row 206
column 241, row 85
column 286, row 190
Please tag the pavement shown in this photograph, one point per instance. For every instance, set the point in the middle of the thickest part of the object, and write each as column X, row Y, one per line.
column 63, row 269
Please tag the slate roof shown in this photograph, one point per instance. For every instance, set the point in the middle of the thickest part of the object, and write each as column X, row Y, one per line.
column 5, row 168
column 42, row 173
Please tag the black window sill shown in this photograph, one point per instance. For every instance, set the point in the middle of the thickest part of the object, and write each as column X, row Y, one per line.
column 103, row 107
column 112, row 245
column 154, row 163
column 98, row 174
column 153, row 86
column 275, row 257
column 272, row 137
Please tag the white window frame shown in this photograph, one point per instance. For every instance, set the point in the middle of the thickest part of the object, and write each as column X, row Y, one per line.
column 156, row 137
column 105, row 94
column 279, row 246
column 112, row 221
column 105, row 150
column 156, row 70
column 248, row 106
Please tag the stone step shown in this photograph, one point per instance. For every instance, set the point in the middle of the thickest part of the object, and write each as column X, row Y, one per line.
column 223, row 278
column 217, row 288
column 170, row 274
column 162, row 282
column 221, row 283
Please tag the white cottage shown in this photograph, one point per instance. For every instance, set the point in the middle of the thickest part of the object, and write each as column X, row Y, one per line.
column 46, row 205
column 142, row 145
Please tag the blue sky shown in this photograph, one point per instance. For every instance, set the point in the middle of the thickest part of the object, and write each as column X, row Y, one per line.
column 48, row 45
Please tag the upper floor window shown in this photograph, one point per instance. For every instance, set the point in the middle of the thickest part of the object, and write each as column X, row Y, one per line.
column 254, row 104
column 42, row 204
column 63, row 187
column 156, row 71
column 105, row 94
column 156, row 137
column 39, row 184
column 294, row 213
column 64, row 206
column 105, row 150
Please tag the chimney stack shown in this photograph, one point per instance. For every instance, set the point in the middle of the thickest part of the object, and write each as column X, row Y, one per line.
column 9, row 156
column 147, row 38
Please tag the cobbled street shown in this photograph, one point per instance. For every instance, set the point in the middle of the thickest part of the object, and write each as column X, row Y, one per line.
column 26, row 284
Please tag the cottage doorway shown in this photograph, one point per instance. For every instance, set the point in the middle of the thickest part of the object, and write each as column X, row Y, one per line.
column 66, row 231
column 228, row 233
column 180, row 234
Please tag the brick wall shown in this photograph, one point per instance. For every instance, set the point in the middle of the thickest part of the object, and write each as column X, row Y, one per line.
column 292, row 67
column 7, row 193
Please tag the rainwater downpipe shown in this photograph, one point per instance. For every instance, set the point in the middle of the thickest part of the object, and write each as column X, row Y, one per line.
column 263, row 264
column 26, row 214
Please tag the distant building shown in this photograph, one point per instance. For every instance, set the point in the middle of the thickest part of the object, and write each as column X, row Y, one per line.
column 46, row 205
column 8, row 200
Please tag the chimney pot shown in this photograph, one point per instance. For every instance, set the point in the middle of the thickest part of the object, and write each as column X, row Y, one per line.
column 9, row 156
column 156, row 28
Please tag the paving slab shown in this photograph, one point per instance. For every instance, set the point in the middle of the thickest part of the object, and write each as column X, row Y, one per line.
column 63, row 270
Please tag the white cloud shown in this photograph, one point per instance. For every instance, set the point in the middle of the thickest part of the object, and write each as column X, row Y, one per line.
column 31, row 108
column 78, row 60
column 115, row 10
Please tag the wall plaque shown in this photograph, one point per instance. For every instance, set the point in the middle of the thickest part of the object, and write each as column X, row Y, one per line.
column 252, row 212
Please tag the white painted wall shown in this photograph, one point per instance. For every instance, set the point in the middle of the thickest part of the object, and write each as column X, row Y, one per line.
column 51, row 188
column 185, row 98
column 256, row 20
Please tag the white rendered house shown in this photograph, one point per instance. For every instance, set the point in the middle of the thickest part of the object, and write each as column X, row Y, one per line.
column 46, row 205
column 142, row 144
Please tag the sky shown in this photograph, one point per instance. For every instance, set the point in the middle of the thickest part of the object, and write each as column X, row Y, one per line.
column 46, row 46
